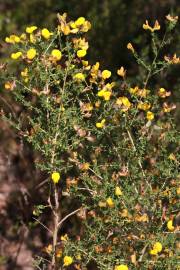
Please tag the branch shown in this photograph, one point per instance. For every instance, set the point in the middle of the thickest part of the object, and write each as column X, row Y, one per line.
column 66, row 217
column 43, row 225
column 142, row 253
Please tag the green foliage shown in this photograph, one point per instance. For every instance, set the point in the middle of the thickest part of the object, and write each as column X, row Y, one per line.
column 114, row 144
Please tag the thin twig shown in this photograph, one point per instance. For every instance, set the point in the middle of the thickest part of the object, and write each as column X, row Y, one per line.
column 50, row 205
column 43, row 225
column 154, row 60
column 132, row 142
column 24, row 86
column 96, row 174
column 66, row 217
column 49, row 45
column 142, row 253
column 42, row 183
column 88, row 189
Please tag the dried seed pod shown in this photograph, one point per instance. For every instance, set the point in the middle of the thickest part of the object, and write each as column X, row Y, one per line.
column 81, row 132
column 91, row 138
column 82, row 214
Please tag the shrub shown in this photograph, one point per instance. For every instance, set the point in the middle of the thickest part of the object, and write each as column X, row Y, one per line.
column 109, row 148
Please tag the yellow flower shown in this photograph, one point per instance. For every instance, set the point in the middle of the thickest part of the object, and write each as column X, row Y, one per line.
column 94, row 72
column 80, row 43
column 23, row 37
column 152, row 29
column 48, row 249
column 124, row 213
column 144, row 106
column 81, row 53
column 78, row 257
column 158, row 247
column 105, row 94
column 178, row 191
column 102, row 204
column 143, row 92
column 143, row 218
column 171, row 18
column 101, row 124
column 109, row 86
column 56, row 54
column 163, row 93
column 125, row 102
column 97, row 104
column 65, row 29
column 80, row 25
column 110, row 202
column 86, row 65
column 30, row 29
column 139, row 92
column 16, row 39
column 55, row 176
column 26, row 80
column 119, row 101
column 118, row 191
column 75, row 28
column 79, row 77
column 45, row 33
column 32, row 38
column 84, row 166
column 95, row 67
column 73, row 25
column 80, row 21
column 16, row 55
column 172, row 60
column 87, row 107
column 156, row 26
column 153, row 252
column 150, row 115
column 121, row 267
column 172, row 157
column 86, row 26
column 12, row 39
column 9, row 85
column 130, row 47
column 168, row 108
column 31, row 53
column 8, row 40
column 59, row 253
column 134, row 90
column 121, row 72
column 106, row 74
column 170, row 225
column 67, row 260
column 24, row 73
column 64, row 237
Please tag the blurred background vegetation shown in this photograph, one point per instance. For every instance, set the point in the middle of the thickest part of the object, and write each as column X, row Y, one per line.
column 114, row 24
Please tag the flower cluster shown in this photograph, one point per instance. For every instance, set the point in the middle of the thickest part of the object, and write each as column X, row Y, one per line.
column 81, row 25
